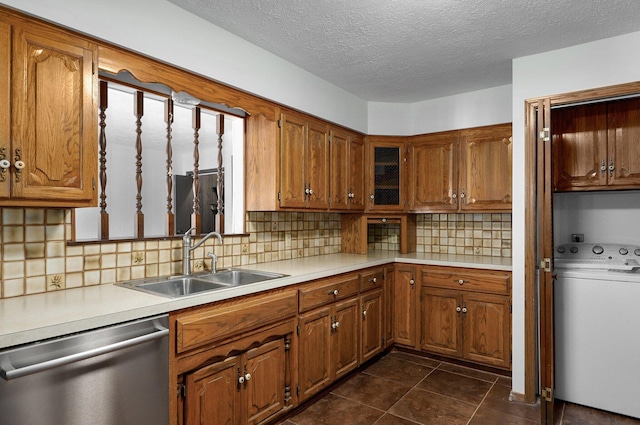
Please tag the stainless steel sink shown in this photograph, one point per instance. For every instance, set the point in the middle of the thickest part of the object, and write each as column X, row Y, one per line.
column 180, row 286
column 174, row 287
column 237, row 277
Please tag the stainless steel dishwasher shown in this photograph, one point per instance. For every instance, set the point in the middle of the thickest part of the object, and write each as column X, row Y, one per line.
column 118, row 375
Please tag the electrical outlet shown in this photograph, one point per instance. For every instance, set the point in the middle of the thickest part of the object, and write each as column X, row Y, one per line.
column 577, row 237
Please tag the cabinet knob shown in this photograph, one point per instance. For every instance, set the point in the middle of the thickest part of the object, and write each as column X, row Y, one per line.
column 310, row 191
column 364, row 313
column 334, row 292
column 458, row 309
column 603, row 166
column 611, row 167
column 374, row 280
column 412, row 282
column 454, row 196
column 247, row 377
column 464, row 309
column 335, row 325
column 19, row 165
column 4, row 164
column 371, row 196
column 241, row 380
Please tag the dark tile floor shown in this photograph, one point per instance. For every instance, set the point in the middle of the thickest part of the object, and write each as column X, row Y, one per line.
column 404, row 389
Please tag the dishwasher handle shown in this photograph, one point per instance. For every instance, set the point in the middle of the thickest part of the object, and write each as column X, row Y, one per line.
column 10, row 373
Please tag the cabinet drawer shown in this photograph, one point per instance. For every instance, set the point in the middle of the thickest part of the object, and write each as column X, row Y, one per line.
column 371, row 279
column 326, row 291
column 494, row 282
column 198, row 328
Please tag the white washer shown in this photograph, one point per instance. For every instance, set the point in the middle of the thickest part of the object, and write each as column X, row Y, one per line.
column 597, row 326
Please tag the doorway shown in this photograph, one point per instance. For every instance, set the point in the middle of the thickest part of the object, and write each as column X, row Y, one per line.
column 539, row 273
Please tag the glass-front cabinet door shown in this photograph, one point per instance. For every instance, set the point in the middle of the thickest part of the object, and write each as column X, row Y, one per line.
column 386, row 174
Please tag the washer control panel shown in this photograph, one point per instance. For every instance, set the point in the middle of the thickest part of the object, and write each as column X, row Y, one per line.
column 604, row 256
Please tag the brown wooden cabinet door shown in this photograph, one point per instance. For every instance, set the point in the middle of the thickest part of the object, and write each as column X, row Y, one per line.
column 487, row 330
column 344, row 339
column 339, row 171
column 433, row 173
column 623, row 143
column 441, row 321
column 54, row 117
column 389, row 306
column 317, row 166
column 293, row 134
column 405, row 292
column 214, row 393
column 356, row 174
column 264, row 390
column 314, row 360
column 485, row 176
column 5, row 107
column 579, row 142
column 371, row 324
column 386, row 180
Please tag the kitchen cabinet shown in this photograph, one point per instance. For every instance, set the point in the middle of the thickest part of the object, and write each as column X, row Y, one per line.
column 372, row 308
column 389, row 307
column 304, row 163
column 329, row 335
column 48, row 116
column 596, row 146
column 462, row 170
column 347, row 171
column 405, row 305
column 466, row 314
column 386, row 174
column 234, row 361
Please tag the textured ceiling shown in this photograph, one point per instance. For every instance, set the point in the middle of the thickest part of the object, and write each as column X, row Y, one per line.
column 412, row 50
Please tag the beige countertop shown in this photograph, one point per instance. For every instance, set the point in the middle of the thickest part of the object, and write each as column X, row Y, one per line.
column 36, row 317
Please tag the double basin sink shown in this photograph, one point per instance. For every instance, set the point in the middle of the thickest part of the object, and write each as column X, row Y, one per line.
column 180, row 286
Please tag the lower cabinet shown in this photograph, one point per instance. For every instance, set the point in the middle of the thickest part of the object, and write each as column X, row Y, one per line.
column 405, row 304
column 389, row 307
column 470, row 318
column 328, row 345
column 372, row 332
column 243, row 389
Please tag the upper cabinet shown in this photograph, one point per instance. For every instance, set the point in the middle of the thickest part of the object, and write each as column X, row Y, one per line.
column 596, row 146
column 347, row 171
column 386, row 174
column 466, row 170
column 304, row 163
column 48, row 116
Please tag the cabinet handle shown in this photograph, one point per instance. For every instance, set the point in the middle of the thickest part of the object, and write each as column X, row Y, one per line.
column 247, row 377
column 603, row 167
column 464, row 309
column 364, row 313
column 4, row 164
column 334, row 292
column 310, row 191
column 462, row 196
column 19, row 164
column 455, row 195
column 611, row 167
column 374, row 280
column 412, row 282
column 335, row 325
column 460, row 281
column 458, row 309
column 371, row 196
column 241, row 380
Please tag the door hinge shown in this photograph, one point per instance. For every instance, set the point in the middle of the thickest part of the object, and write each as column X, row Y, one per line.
column 298, row 390
column 279, row 196
column 298, row 330
column 545, row 264
column 545, row 134
column 280, row 123
column 93, row 68
column 183, row 391
column 510, row 308
column 547, row 394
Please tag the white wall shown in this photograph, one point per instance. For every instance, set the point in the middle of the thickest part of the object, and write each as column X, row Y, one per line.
column 160, row 29
column 586, row 66
column 473, row 109
column 603, row 217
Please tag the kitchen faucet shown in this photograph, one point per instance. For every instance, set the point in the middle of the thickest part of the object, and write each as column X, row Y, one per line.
column 187, row 248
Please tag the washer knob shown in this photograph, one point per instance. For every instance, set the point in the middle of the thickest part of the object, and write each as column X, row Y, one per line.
column 637, row 252
column 623, row 251
column 561, row 249
column 597, row 249
column 573, row 249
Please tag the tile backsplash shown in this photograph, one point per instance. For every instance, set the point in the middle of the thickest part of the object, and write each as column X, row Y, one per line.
column 37, row 256
column 470, row 234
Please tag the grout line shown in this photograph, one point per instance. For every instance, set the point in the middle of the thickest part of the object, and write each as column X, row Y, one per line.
column 480, row 404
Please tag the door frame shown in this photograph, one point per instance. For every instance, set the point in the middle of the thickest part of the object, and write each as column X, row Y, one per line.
column 532, row 165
